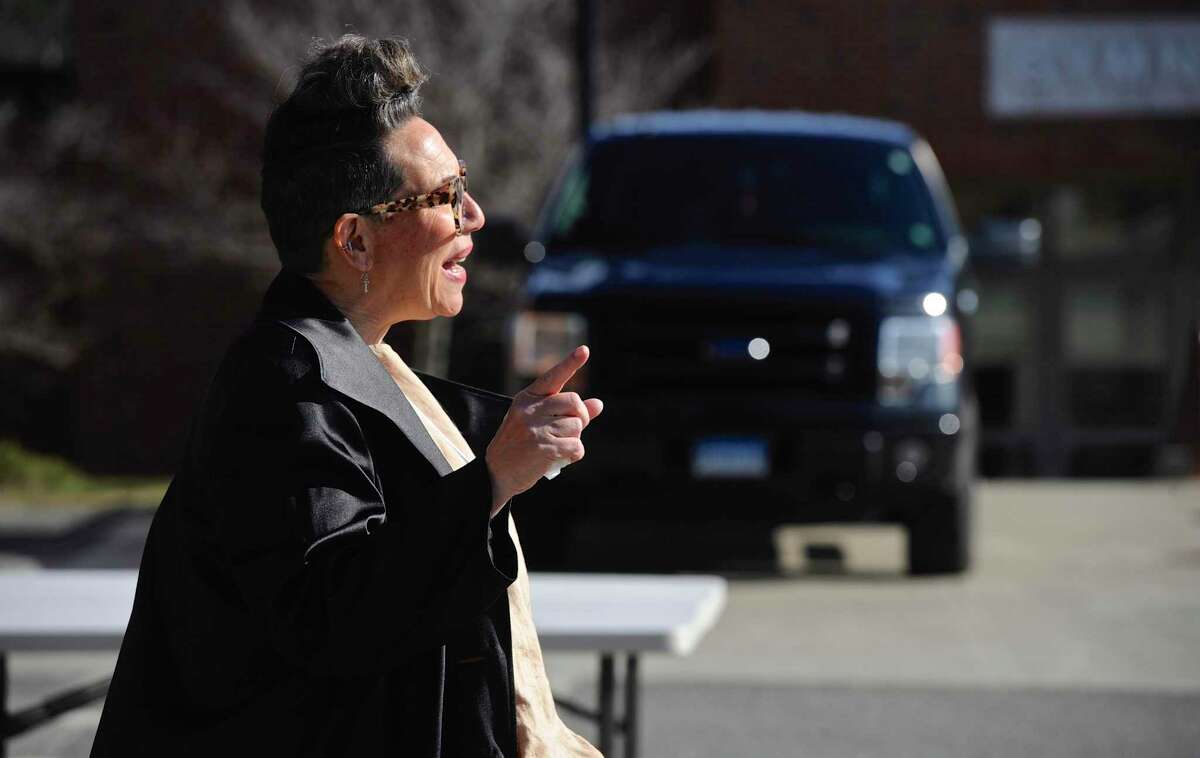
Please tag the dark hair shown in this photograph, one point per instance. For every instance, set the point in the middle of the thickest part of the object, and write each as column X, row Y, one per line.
column 323, row 151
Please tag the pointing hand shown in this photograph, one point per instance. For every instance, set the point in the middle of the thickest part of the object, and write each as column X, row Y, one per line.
column 541, row 431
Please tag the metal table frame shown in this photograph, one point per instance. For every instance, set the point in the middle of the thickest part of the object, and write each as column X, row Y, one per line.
column 16, row 723
column 605, row 716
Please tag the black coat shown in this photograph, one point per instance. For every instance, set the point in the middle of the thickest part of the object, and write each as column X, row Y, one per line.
column 316, row 581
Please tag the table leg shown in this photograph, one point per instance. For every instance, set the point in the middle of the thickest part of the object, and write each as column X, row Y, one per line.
column 3, row 704
column 631, row 705
column 607, row 688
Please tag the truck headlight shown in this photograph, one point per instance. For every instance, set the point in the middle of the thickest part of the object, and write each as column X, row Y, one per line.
column 920, row 359
column 541, row 339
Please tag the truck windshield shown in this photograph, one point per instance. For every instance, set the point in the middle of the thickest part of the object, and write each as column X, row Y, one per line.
column 846, row 195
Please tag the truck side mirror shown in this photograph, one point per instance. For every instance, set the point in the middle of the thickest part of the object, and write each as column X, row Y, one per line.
column 1007, row 240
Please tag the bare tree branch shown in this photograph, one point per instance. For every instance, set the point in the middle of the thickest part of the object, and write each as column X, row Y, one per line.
column 503, row 72
column 502, row 89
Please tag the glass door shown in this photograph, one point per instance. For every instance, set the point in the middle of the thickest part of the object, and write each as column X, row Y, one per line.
column 1112, row 251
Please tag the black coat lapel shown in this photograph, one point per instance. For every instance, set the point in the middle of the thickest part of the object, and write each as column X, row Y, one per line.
column 346, row 363
column 477, row 413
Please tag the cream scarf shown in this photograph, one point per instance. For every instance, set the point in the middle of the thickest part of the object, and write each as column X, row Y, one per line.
column 540, row 731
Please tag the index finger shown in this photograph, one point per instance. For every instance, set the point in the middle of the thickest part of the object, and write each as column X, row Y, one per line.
column 551, row 382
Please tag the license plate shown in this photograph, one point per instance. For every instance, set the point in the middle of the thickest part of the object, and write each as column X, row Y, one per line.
column 730, row 458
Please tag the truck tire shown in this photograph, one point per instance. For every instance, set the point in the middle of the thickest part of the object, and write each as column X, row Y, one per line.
column 939, row 537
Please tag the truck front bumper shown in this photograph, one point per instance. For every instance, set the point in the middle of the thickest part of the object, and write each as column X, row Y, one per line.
column 799, row 462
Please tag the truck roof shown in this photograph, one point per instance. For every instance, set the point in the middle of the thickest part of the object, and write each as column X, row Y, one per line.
column 750, row 122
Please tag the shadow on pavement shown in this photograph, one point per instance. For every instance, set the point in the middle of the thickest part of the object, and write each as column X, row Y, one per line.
column 111, row 539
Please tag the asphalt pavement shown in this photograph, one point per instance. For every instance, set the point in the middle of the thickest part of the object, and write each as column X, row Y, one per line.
column 1077, row 633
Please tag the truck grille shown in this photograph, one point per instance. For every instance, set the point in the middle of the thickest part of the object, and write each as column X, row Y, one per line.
column 815, row 350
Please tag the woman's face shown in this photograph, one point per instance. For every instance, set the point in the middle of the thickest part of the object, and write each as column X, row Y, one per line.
column 418, row 260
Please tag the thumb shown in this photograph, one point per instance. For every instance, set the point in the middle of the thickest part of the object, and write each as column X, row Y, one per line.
column 594, row 406
column 551, row 382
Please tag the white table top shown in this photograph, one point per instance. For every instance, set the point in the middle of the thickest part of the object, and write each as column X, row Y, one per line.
column 625, row 612
column 88, row 610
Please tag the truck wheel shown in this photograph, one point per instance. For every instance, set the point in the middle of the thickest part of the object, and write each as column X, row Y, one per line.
column 939, row 537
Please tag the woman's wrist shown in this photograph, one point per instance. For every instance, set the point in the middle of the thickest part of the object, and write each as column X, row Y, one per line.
column 498, row 505
column 500, row 495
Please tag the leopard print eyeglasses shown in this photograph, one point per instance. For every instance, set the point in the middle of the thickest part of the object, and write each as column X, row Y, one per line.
column 451, row 193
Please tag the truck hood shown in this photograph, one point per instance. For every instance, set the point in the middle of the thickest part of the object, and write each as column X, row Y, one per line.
column 773, row 270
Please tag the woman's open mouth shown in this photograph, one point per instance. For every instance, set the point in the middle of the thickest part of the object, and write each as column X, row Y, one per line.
column 453, row 267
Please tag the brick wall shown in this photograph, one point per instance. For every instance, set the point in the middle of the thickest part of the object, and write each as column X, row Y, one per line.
column 924, row 63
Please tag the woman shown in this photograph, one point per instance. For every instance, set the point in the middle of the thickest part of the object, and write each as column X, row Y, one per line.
column 334, row 570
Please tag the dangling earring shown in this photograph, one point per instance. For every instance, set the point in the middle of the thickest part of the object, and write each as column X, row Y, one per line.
column 366, row 278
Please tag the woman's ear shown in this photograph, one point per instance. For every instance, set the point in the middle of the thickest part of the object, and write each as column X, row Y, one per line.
column 350, row 241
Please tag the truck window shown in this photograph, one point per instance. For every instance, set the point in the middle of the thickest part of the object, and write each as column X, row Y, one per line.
column 843, row 195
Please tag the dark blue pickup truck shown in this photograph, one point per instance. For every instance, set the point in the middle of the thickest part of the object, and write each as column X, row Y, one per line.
column 774, row 309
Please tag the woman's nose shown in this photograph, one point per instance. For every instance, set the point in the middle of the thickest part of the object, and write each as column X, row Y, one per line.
column 473, row 218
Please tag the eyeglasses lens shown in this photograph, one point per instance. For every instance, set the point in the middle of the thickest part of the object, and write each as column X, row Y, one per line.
column 460, row 189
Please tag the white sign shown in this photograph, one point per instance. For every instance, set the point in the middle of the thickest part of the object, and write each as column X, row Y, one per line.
column 1092, row 66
